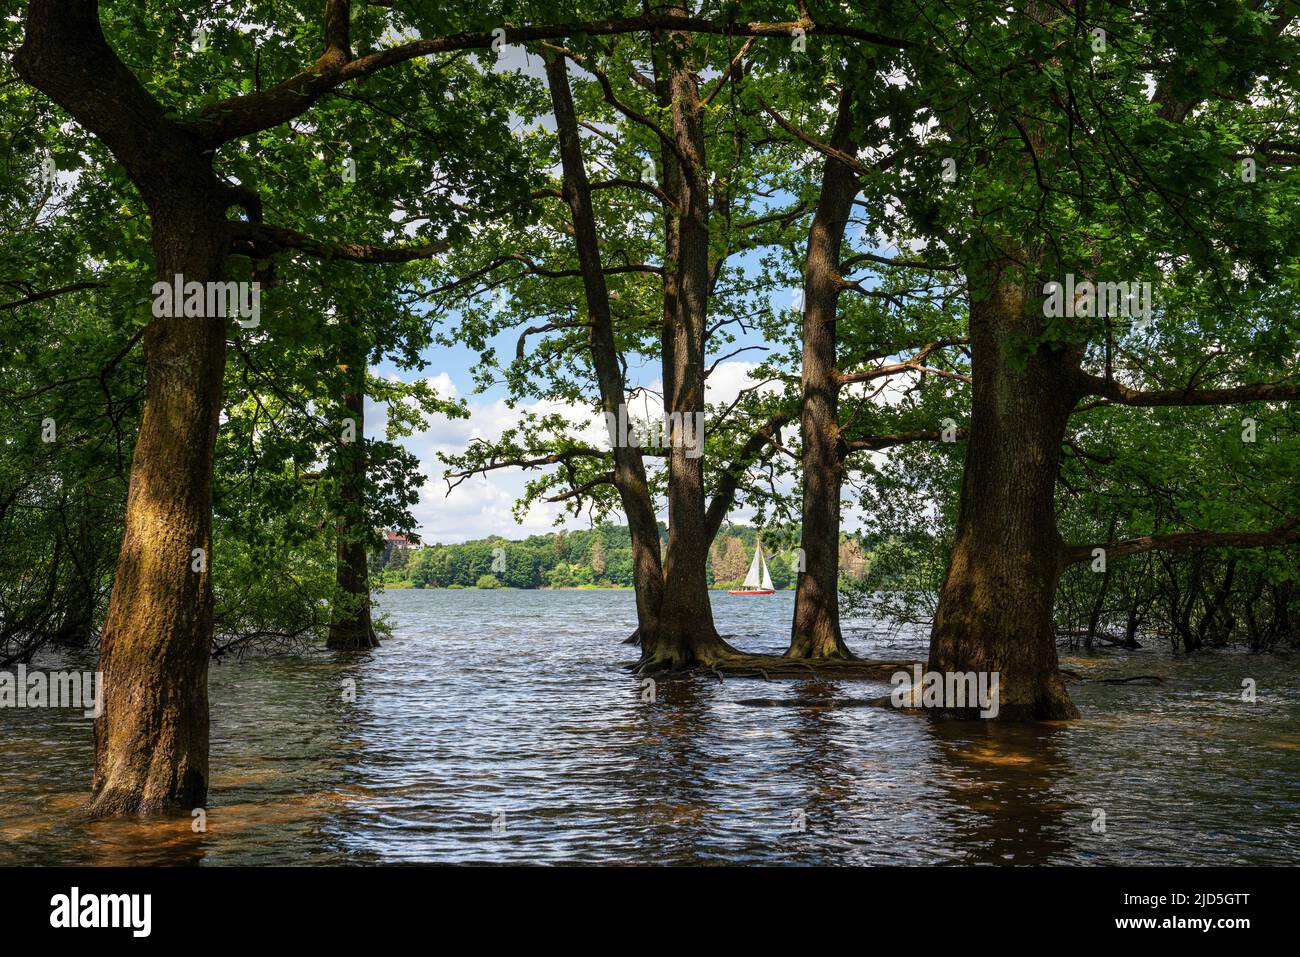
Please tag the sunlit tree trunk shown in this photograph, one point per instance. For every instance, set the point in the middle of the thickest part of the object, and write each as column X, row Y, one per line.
column 151, row 741
column 995, row 606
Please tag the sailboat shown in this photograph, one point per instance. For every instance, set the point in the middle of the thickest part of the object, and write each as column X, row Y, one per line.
column 758, row 581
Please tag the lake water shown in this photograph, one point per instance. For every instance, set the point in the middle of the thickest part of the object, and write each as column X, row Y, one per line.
column 499, row 727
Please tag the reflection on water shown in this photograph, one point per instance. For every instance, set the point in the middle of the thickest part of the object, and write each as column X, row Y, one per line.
column 499, row 727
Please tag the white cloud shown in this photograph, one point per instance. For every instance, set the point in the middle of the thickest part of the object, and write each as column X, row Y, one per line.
column 442, row 384
column 482, row 505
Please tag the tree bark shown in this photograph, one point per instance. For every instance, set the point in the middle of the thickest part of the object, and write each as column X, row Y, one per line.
column 151, row 741
column 687, row 635
column 629, row 467
column 995, row 605
column 351, row 628
column 815, row 631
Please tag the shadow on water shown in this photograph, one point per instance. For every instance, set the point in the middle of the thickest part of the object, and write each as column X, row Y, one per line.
column 1002, row 783
column 674, row 790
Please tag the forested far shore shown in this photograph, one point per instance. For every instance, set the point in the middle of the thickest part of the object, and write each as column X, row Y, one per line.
column 598, row 557
column 1202, row 601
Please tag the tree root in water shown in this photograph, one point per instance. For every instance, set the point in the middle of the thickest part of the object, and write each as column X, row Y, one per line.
column 742, row 665
column 831, row 704
column 1077, row 678
column 1153, row 679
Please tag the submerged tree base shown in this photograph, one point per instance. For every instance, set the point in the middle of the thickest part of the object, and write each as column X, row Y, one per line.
column 738, row 664
column 352, row 639
column 136, row 802
column 732, row 663
column 1052, row 704
column 820, row 647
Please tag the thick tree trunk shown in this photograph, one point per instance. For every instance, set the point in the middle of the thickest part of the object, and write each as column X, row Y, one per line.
column 815, row 631
column 686, row 633
column 151, row 742
column 995, row 606
column 351, row 628
column 629, row 467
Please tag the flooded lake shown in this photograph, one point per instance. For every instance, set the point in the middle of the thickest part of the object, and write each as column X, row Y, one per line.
column 499, row 727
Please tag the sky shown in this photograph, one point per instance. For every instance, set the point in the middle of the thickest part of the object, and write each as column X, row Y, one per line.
column 483, row 504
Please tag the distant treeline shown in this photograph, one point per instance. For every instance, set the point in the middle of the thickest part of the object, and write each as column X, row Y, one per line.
column 1196, row 601
column 600, row 557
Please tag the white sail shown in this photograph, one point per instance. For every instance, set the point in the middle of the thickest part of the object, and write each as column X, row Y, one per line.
column 752, row 580
column 758, row 576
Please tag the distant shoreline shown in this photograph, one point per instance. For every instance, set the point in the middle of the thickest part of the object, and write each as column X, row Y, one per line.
column 407, row 586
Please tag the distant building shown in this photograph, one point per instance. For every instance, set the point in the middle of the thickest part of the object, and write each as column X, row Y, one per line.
column 393, row 542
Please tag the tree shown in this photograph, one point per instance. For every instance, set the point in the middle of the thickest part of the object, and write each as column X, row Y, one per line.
column 1046, row 209
column 834, row 372
column 350, row 627
column 159, row 623
column 707, row 163
column 815, row 631
column 733, row 563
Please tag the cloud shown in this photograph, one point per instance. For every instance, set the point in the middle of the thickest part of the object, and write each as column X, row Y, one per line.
column 482, row 505
column 442, row 384
column 478, row 507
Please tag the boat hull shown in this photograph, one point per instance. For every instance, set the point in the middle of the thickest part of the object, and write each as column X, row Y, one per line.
column 753, row 591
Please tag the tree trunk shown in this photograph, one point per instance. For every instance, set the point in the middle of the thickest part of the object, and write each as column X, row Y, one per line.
column 1218, row 607
column 815, row 631
column 151, row 742
column 1099, row 604
column 629, row 467
column 995, row 606
column 1131, row 624
column 1282, row 597
column 1183, row 620
column 350, row 626
column 78, row 625
column 686, row 632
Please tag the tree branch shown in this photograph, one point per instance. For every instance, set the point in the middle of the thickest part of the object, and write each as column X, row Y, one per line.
column 875, row 443
column 1123, row 395
column 1285, row 534
column 251, row 113
column 50, row 293
column 266, row 238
